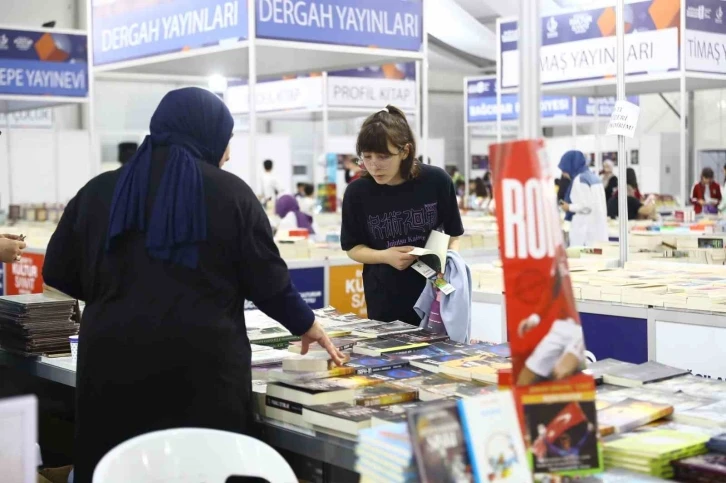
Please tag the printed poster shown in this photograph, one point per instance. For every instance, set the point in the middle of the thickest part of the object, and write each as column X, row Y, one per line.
column 25, row 276
column 543, row 324
column 346, row 289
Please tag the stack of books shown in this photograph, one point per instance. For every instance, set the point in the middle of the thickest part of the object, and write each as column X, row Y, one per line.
column 385, row 454
column 37, row 324
column 708, row 468
column 653, row 452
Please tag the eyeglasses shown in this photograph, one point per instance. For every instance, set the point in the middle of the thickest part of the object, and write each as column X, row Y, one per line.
column 379, row 159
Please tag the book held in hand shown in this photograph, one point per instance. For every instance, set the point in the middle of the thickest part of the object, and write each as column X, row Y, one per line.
column 312, row 362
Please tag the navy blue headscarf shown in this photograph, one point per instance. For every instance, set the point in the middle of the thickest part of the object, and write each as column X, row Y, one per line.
column 574, row 164
column 195, row 125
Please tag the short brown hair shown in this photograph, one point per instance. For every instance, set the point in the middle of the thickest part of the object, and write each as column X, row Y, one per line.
column 389, row 125
column 707, row 173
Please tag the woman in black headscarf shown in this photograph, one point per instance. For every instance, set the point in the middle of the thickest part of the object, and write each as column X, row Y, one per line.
column 164, row 252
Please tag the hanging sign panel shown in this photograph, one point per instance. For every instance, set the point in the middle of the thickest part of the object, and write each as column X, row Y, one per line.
column 43, row 64
column 705, row 36
column 374, row 93
column 299, row 93
column 383, row 24
column 130, row 29
column 581, row 46
column 42, row 118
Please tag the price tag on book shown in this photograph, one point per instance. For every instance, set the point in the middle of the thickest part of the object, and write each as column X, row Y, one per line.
column 424, row 270
column 445, row 287
column 624, row 119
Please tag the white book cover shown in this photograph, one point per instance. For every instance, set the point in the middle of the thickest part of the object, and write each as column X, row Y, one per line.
column 437, row 245
column 494, row 439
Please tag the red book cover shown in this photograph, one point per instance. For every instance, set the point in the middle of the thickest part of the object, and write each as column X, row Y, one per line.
column 543, row 324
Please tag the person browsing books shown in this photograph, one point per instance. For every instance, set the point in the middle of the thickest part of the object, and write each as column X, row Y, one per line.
column 11, row 248
column 706, row 194
column 391, row 209
column 291, row 217
column 584, row 202
column 164, row 252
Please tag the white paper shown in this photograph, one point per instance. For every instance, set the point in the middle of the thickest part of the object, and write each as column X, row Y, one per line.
column 424, row 269
column 624, row 119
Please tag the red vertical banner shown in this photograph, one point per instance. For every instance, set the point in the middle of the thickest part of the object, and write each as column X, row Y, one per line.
column 25, row 276
column 543, row 324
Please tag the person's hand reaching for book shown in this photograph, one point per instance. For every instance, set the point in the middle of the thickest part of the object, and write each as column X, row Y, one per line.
column 11, row 249
column 316, row 333
column 399, row 257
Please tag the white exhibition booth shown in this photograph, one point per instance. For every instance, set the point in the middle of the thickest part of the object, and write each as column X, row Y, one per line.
column 42, row 69
column 253, row 40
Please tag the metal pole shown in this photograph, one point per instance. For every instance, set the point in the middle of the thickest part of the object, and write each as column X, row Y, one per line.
column 326, row 128
column 622, row 164
column 425, row 90
column 685, row 186
column 467, row 140
column 252, row 92
column 498, row 84
column 529, row 40
column 574, row 122
column 90, row 110
column 419, row 99
column 598, row 157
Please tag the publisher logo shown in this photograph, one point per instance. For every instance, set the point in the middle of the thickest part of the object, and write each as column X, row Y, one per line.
column 480, row 87
column 23, row 43
column 580, row 23
column 552, row 28
column 719, row 15
column 4, row 41
column 509, row 36
column 699, row 13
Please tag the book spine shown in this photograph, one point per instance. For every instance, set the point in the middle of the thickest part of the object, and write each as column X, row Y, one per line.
column 283, row 405
column 371, row 370
column 400, row 351
column 387, row 400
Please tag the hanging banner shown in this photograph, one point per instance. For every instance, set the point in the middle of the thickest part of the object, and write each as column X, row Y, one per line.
column 299, row 93
column 346, row 289
column 25, row 276
column 705, row 36
column 132, row 29
column 581, row 46
column 373, row 93
column 40, row 63
column 37, row 118
column 405, row 71
column 383, row 24
column 482, row 104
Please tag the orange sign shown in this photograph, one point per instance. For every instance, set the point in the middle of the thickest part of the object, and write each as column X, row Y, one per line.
column 25, row 276
column 346, row 289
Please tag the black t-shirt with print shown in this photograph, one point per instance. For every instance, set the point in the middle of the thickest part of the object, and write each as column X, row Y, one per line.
column 380, row 217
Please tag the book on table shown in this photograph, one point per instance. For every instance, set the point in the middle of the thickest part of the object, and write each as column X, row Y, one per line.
column 646, row 373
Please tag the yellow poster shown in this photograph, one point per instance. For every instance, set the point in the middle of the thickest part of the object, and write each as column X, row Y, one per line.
column 346, row 289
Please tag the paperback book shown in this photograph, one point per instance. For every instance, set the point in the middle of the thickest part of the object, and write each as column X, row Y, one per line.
column 646, row 373
column 629, row 414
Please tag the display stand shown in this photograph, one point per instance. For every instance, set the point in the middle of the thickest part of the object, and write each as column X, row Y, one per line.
column 43, row 69
column 251, row 43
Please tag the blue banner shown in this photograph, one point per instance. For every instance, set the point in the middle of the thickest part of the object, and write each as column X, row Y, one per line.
column 384, row 24
column 484, row 109
column 310, row 282
column 43, row 63
column 588, row 106
column 485, row 87
column 129, row 29
column 706, row 16
column 622, row 338
column 387, row 71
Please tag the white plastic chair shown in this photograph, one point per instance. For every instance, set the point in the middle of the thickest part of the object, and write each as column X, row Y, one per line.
column 192, row 455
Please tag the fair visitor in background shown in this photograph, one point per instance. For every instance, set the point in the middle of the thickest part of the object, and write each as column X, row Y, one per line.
column 164, row 252
column 706, row 194
column 269, row 187
column 352, row 169
column 291, row 216
column 609, row 180
column 308, row 202
column 631, row 180
column 11, row 248
column 300, row 190
column 394, row 207
column 456, row 176
column 637, row 209
column 584, row 202
column 722, row 205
